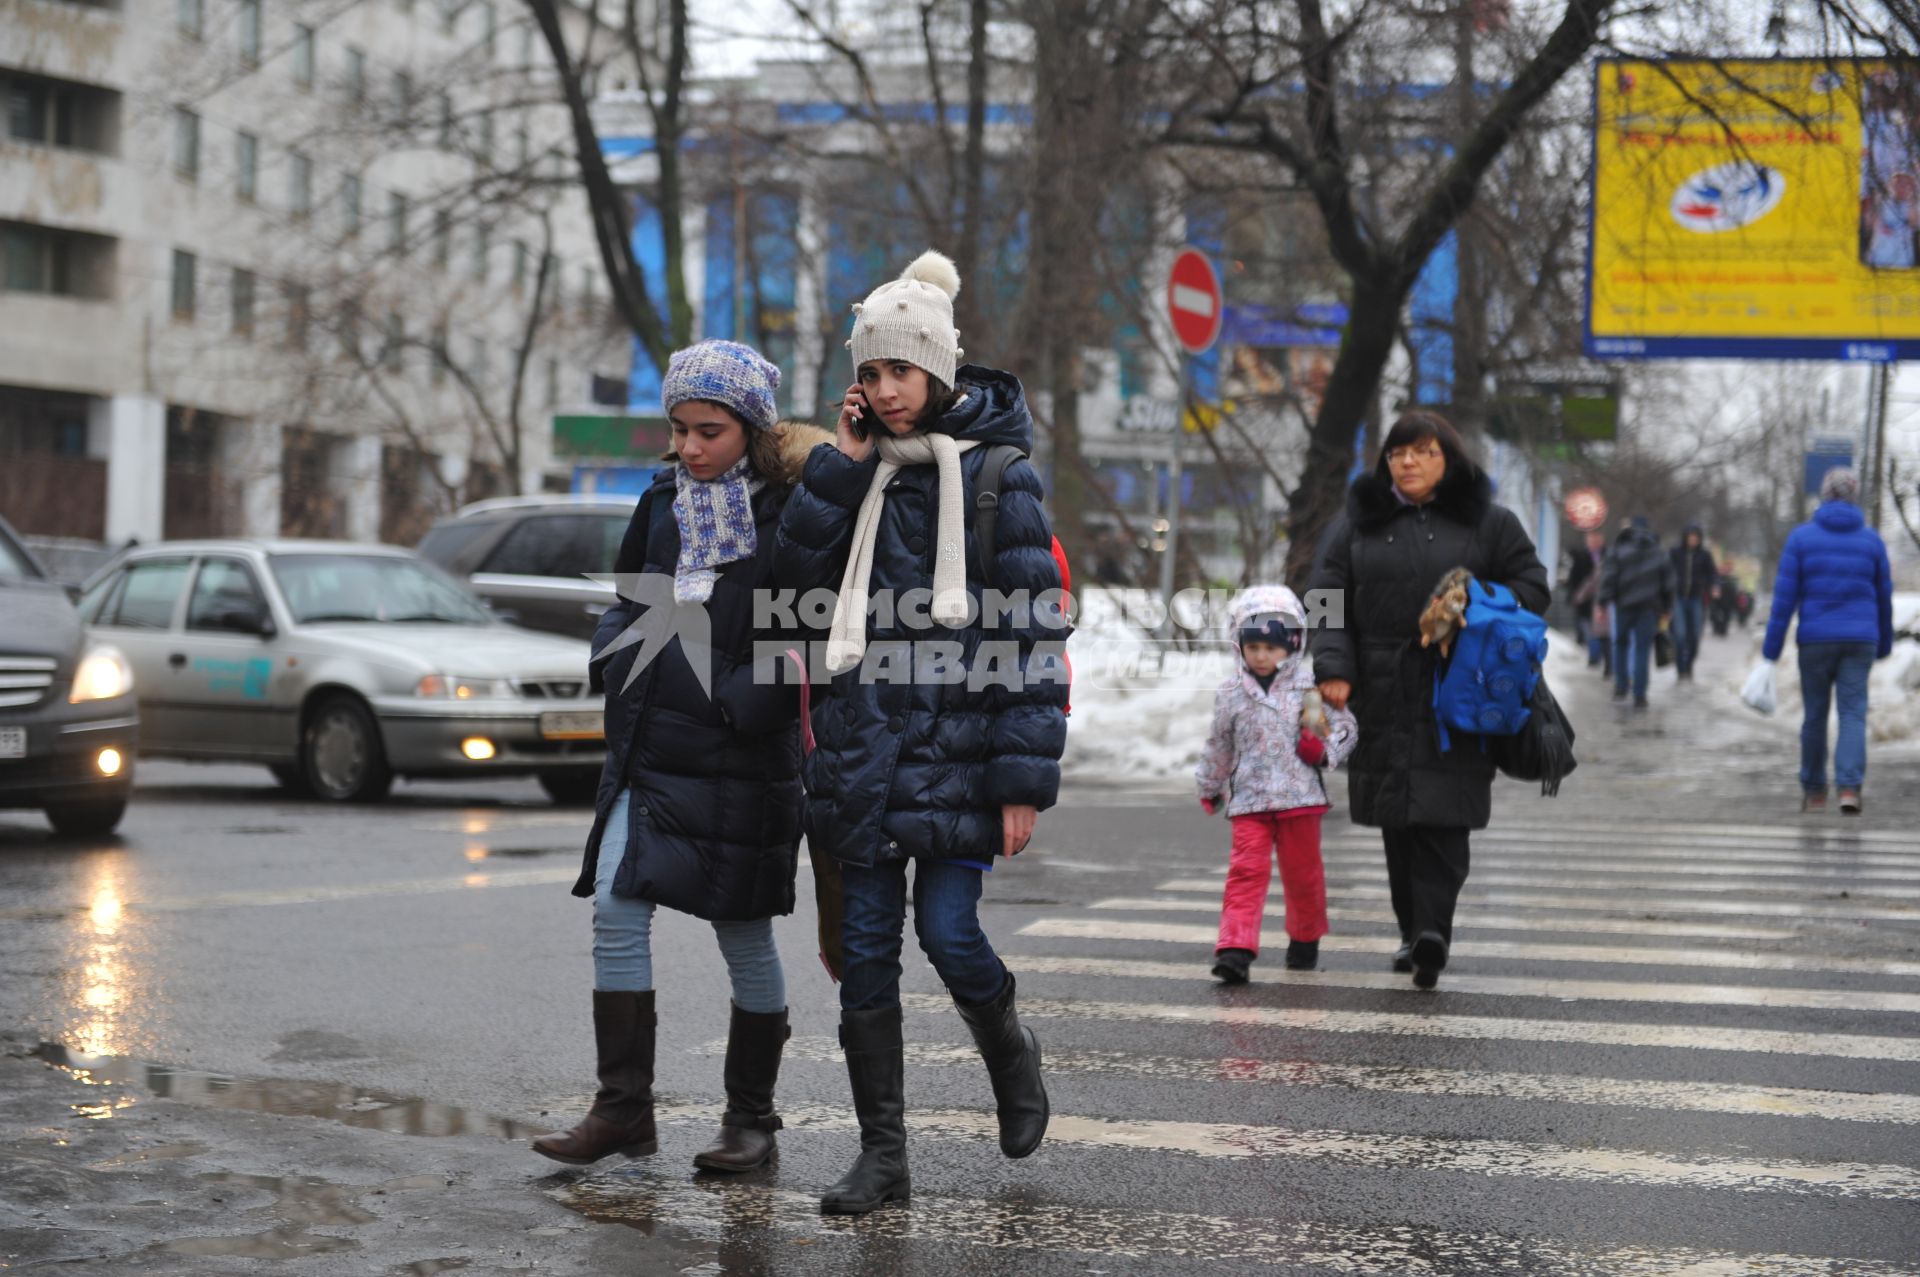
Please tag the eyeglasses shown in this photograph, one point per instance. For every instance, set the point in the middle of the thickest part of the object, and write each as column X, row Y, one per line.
column 1414, row 452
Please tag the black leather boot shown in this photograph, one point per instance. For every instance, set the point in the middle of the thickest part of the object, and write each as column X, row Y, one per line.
column 1013, row 1064
column 621, row 1119
column 871, row 1040
column 745, row 1142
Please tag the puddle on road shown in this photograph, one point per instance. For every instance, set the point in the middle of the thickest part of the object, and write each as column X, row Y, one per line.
column 430, row 1267
column 158, row 1153
column 300, row 1204
column 350, row 1106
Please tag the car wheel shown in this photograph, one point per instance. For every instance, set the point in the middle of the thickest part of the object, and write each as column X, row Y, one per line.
column 576, row 788
column 341, row 755
column 290, row 777
column 89, row 819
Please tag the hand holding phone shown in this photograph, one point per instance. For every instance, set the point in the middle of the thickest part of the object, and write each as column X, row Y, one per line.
column 851, row 431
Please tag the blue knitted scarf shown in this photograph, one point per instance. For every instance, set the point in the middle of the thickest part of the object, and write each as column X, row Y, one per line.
column 715, row 518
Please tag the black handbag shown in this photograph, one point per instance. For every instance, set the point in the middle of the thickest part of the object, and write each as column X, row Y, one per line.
column 1662, row 649
column 1543, row 749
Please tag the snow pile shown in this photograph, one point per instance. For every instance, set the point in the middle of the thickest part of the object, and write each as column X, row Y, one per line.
column 1141, row 703
column 1893, row 692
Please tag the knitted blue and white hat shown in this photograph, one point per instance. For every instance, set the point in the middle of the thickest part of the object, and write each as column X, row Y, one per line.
column 737, row 377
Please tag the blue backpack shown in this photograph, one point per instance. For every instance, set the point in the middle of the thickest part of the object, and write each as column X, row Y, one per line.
column 1487, row 684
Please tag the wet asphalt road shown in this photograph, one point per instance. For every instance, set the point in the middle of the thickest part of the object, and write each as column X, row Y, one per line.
column 1681, row 1034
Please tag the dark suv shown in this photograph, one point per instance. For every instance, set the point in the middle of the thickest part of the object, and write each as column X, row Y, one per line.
column 529, row 557
column 68, row 723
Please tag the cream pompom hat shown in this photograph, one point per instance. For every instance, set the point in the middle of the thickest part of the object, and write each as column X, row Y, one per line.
column 911, row 318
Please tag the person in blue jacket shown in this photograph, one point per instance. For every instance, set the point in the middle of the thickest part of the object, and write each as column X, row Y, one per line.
column 1834, row 572
column 939, row 737
column 699, row 801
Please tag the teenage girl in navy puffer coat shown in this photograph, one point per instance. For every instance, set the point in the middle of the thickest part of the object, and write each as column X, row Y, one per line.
column 912, row 765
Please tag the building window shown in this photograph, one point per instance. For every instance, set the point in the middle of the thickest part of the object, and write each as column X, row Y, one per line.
column 556, row 280
column 246, row 166
column 250, row 32
column 481, row 248
column 350, row 204
column 402, row 98
column 439, row 373
column 520, row 255
column 37, row 262
column 39, row 112
column 445, row 138
column 523, row 149
column 478, row 369
column 553, row 382
column 442, row 237
column 483, row 147
column 449, row 16
column 242, row 302
column 356, row 75
column 396, row 223
column 303, row 57
column 183, row 268
column 489, row 29
column 299, row 185
column 396, row 343
column 526, row 46
column 186, row 144
column 297, row 316
column 189, row 15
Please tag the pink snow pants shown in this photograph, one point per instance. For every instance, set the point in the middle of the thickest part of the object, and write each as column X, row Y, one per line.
column 1303, row 879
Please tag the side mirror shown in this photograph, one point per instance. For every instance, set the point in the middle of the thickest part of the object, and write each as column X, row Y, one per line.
column 248, row 620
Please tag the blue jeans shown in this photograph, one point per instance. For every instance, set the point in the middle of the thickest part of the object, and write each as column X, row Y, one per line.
column 946, row 920
column 1633, row 628
column 623, row 936
column 1689, row 615
column 1834, row 671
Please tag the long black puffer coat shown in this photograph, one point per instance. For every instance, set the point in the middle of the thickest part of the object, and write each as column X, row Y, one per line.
column 909, row 767
column 714, row 818
column 1388, row 557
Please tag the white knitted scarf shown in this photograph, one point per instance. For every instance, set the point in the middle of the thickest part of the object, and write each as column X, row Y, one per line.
column 847, row 639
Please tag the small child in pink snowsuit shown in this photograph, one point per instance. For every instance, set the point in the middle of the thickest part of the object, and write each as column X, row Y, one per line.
column 1271, row 736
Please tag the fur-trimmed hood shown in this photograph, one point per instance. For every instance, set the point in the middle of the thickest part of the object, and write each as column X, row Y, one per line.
column 1464, row 495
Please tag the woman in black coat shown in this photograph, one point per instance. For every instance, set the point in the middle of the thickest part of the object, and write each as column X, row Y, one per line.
column 940, row 734
column 699, row 803
column 1425, row 510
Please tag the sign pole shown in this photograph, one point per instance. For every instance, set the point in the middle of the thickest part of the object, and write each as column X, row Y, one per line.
column 1174, row 480
column 1878, row 445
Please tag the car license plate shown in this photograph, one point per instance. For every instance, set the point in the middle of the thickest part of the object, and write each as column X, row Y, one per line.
column 573, row 724
column 13, row 742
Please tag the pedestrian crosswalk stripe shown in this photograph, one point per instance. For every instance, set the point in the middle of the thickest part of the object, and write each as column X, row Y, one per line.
column 721, row 1214
column 1552, row 987
column 1691, row 1037
column 1387, row 1151
column 1480, row 920
column 1722, row 885
column 1633, row 903
column 1560, row 1088
column 1648, row 870
column 1612, row 955
column 1573, row 852
column 1628, row 830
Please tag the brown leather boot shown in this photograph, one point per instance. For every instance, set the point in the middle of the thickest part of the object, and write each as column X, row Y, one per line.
column 621, row 1119
column 745, row 1142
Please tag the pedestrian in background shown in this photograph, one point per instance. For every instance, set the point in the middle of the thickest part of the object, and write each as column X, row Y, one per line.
column 699, row 804
column 1694, row 575
column 1271, row 737
column 1425, row 510
column 1834, row 572
column 1638, row 581
column 1583, row 592
column 945, row 776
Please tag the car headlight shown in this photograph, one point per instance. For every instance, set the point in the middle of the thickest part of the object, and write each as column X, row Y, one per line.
column 102, row 675
column 452, row 687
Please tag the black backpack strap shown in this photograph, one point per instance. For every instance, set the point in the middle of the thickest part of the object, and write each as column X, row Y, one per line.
column 986, row 504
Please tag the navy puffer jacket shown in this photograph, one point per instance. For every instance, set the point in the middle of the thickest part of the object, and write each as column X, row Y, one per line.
column 1833, row 571
column 907, row 766
column 714, row 819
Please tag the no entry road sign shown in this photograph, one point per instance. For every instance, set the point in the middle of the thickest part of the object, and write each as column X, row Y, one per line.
column 1193, row 301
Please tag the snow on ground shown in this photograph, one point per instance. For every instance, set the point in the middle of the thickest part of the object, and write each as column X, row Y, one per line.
column 1893, row 693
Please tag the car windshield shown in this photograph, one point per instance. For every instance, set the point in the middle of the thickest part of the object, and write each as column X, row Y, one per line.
column 372, row 587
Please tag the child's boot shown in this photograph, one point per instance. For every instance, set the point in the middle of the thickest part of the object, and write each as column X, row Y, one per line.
column 1230, row 965
column 1303, row 955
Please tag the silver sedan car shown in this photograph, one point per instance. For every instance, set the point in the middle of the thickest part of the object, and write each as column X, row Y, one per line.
column 341, row 666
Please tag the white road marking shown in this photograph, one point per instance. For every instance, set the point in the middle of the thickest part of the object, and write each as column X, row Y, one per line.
column 1557, row 1088
column 1635, row 904
column 1628, row 832
column 1649, row 869
column 1489, row 921
column 324, row 893
column 718, row 1214
column 1690, row 1037
column 1634, row 889
column 1612, row 1166
column 1610, row 955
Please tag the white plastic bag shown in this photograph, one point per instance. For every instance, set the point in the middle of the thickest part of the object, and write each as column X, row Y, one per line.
column 1759, row 690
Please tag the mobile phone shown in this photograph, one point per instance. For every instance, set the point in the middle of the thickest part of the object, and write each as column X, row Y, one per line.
column 859, row 425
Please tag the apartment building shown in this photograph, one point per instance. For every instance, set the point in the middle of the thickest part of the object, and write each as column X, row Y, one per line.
column 293, row 268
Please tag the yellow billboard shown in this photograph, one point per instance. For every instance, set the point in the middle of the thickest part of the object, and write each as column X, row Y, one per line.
column 1757, row 209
